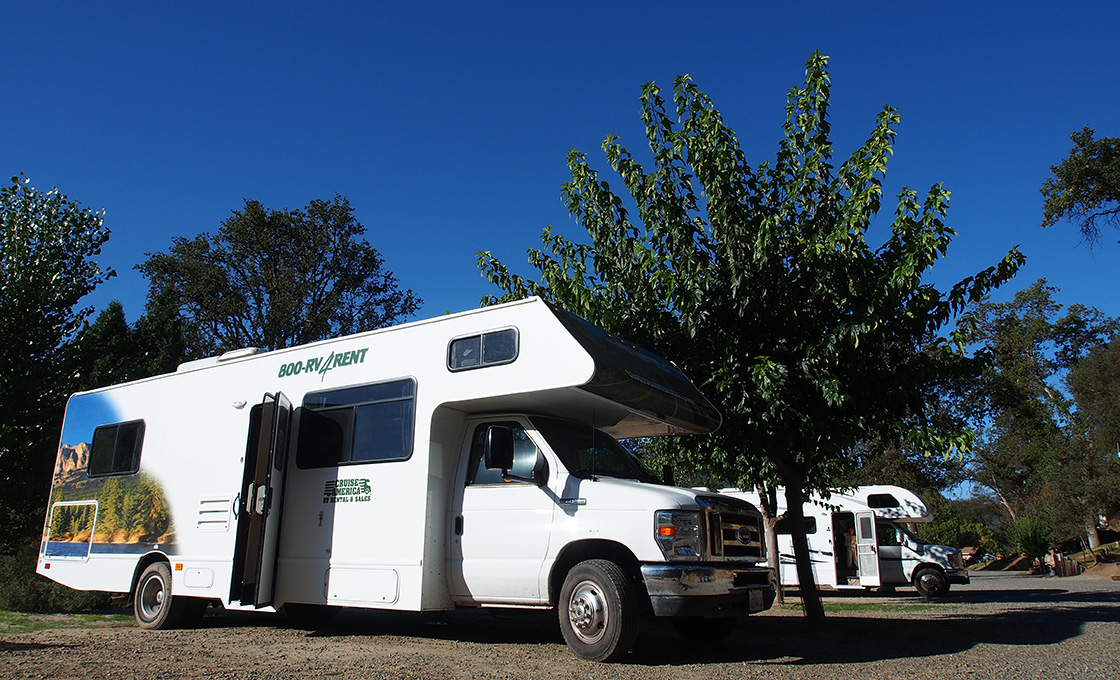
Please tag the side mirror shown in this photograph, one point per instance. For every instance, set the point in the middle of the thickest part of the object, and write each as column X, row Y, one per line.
column 499, row 448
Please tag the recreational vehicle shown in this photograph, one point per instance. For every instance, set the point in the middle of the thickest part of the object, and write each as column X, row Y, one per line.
column 465, row 461
column 858, row 539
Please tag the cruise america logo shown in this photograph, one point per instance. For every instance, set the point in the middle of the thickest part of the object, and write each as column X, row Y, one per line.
column 347, row 491
column 322, row 365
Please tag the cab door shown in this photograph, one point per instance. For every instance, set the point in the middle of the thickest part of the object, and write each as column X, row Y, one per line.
column 259, row 504
column 501, row 526
column 867, row 550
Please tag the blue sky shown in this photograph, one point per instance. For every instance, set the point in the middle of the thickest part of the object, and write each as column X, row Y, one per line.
column 447, row 124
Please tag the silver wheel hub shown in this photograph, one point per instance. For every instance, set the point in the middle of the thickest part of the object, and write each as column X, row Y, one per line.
column 587, row 612
column 151, row 598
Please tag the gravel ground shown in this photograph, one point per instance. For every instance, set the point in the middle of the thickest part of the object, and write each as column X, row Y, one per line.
column 1002, row 626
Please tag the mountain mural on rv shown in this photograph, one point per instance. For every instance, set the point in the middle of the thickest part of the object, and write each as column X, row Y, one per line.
column 120, row 513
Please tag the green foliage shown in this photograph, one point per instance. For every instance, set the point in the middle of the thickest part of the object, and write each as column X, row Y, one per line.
column 1085, row 187
column 278, row 278
column 1095, row 384
column 1030, row 536
column 952, row 527
column 1035, row 449
column 760, row 283
column 21, row 589
column 110, row 351
column 47, row 243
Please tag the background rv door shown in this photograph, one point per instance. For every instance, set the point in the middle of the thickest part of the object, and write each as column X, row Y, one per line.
column 866, row 549
column 258, row 507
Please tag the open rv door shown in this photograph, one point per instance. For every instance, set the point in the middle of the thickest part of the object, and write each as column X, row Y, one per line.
column 867, row 550
column 259, row 504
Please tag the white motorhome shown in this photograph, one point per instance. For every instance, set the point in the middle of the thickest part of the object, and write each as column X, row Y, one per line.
column 858, row 539
column 465, row 461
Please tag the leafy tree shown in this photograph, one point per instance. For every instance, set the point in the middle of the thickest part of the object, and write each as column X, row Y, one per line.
column 760, row 283
column 47, row 246
column 956, row 523
column 1085, row 187
column 1030, row 536
column 1095, row 384
column 277, row 278
column 1031, row 449
column 903, row 466
column 111, row 352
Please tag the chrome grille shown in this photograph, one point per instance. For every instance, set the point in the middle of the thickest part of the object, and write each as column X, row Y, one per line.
column 735, row 535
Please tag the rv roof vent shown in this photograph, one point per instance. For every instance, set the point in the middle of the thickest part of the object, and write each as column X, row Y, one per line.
column 196, row 364
column 238, row 353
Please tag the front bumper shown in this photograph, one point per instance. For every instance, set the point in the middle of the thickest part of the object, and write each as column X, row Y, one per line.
column 958, row 576
column 708, row 589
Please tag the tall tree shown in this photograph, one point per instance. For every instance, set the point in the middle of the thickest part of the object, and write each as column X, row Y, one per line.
column 277, row 278
column 47, row 246
column 110, row 351
column 1031, row 450
column 759, row 281
column 1094, row 382
column 1085, row 187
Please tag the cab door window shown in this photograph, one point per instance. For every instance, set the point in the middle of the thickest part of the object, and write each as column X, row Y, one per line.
column 525, row 457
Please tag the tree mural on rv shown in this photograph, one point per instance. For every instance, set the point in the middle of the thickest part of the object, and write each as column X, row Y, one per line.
column 131, row 509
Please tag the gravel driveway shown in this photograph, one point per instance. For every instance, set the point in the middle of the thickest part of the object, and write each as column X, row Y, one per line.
column 1002, row 626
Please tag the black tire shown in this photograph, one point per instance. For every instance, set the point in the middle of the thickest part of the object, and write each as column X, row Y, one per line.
column 153, row 605
column 310, row 615
column 930, row 582
column 598, row 611
column 701, row 631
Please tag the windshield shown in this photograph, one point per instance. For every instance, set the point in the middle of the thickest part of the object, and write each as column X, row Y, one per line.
column 589, row 453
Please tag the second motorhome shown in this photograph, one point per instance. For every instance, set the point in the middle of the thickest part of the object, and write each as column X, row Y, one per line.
column 466, row 461
column 858, row 539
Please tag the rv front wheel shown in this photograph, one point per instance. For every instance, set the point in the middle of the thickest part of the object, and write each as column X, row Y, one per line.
column 598, row 611
column 930, row 582
column 153, row 605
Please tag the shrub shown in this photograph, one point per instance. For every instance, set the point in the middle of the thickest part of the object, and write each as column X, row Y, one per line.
column 22, row 590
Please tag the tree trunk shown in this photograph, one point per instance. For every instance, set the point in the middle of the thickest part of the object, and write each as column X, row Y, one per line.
column 795, row 517
column 768, row 507
column 1094, row 538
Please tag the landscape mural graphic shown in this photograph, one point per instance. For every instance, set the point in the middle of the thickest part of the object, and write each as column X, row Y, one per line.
column 118, row 513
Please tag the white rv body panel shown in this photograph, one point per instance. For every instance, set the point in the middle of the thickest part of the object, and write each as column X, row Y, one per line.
column 399, row 524
column 880, row 551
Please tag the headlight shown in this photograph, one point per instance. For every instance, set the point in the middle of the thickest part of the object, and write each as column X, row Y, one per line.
column 678, row 534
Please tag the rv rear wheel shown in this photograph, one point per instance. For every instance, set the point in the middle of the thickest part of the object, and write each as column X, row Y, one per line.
column 930, row 582
column 153, row 605
column 598, row 611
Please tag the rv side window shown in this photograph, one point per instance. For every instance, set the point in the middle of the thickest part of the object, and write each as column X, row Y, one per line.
column 116, row 449
column 369, row 423
column 485, row 349
column 882, row 500
column 784, row 528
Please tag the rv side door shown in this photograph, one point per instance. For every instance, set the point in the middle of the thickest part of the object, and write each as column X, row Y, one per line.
column 258, row 506
column 866, row 549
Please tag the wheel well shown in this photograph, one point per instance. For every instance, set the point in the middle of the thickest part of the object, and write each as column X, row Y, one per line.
column 145, row 561
column 594, row 549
